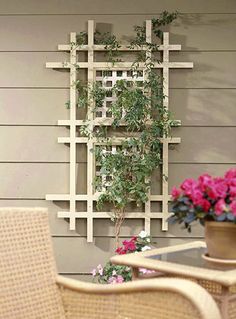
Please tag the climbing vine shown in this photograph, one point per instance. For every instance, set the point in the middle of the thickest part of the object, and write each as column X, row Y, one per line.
column 138, row 115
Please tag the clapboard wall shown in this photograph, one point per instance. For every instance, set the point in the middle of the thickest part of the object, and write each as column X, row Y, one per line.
column 32, row 99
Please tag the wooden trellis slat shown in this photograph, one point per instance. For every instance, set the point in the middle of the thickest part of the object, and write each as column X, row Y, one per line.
column 103, row 117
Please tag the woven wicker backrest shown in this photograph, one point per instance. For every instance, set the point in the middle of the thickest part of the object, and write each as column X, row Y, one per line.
column 27, row 270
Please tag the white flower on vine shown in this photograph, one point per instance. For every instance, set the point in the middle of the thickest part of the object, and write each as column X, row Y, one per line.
column 143, row 234
column 100, row 269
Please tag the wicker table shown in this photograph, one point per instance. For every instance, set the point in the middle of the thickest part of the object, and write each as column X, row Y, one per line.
column 186, row 261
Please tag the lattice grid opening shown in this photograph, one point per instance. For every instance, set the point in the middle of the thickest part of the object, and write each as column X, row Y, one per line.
column 105, row 180
column 107, row 79
column 119, row 70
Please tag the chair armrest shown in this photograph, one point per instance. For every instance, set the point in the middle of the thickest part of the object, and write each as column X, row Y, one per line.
column 150, row 298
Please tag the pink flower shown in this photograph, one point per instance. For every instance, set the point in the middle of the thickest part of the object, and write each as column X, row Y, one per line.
column 220, row 187
column 197, row 197
column 116, row 280
column 146, row 271
column 232, row 182
column 199, row 200
column 120, row 251
column 94, row 272
column 233, row 207
column 220, row 206
column 129, row 245
column 230, row 174
column 112, row 280
column 175, row 193
column 232, row 191
column 188, row 186
column 119, row 279
column 205, row 181
column 205, row 205
column 211, row 192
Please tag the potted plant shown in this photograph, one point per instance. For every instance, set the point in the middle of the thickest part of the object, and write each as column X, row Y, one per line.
column 212, row 202
column 112, row 274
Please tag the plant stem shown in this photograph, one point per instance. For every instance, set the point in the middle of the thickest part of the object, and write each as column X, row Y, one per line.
column 120, row 216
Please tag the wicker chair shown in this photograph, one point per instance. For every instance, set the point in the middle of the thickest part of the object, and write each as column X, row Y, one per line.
column 31, row 289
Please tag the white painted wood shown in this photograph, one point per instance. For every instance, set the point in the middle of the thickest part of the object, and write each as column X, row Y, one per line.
column 72, row 132
column 118, row 65
column 102, row 116
column 98, row 47
column 147, row 220
column 114, row 140
column 90, row 155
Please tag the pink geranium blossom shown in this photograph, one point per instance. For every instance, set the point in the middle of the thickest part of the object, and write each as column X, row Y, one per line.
column 220, row 207
column 233, row 207
column 205, row 204
column 230, row 174
column 205, row 182
column 220, row 188
column 188, row 186
column 175, row 192
column 196, row 197
column 232, row 191
column 205, row 199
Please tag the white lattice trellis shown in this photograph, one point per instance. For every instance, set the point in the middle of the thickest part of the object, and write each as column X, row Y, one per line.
column 114, row 72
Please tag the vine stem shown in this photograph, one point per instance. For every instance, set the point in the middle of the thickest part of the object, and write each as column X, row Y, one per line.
column 120, row 216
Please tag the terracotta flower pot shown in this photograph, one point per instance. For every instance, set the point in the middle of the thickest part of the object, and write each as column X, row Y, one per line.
column 221, row 239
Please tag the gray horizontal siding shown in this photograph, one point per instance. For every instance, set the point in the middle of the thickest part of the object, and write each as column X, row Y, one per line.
column 201, row 107
column 34, row 180
column 218, row 30
column 122, row 7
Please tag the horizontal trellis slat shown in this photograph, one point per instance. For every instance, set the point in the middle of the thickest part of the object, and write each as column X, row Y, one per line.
column 208, row 72
column 102, row 228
